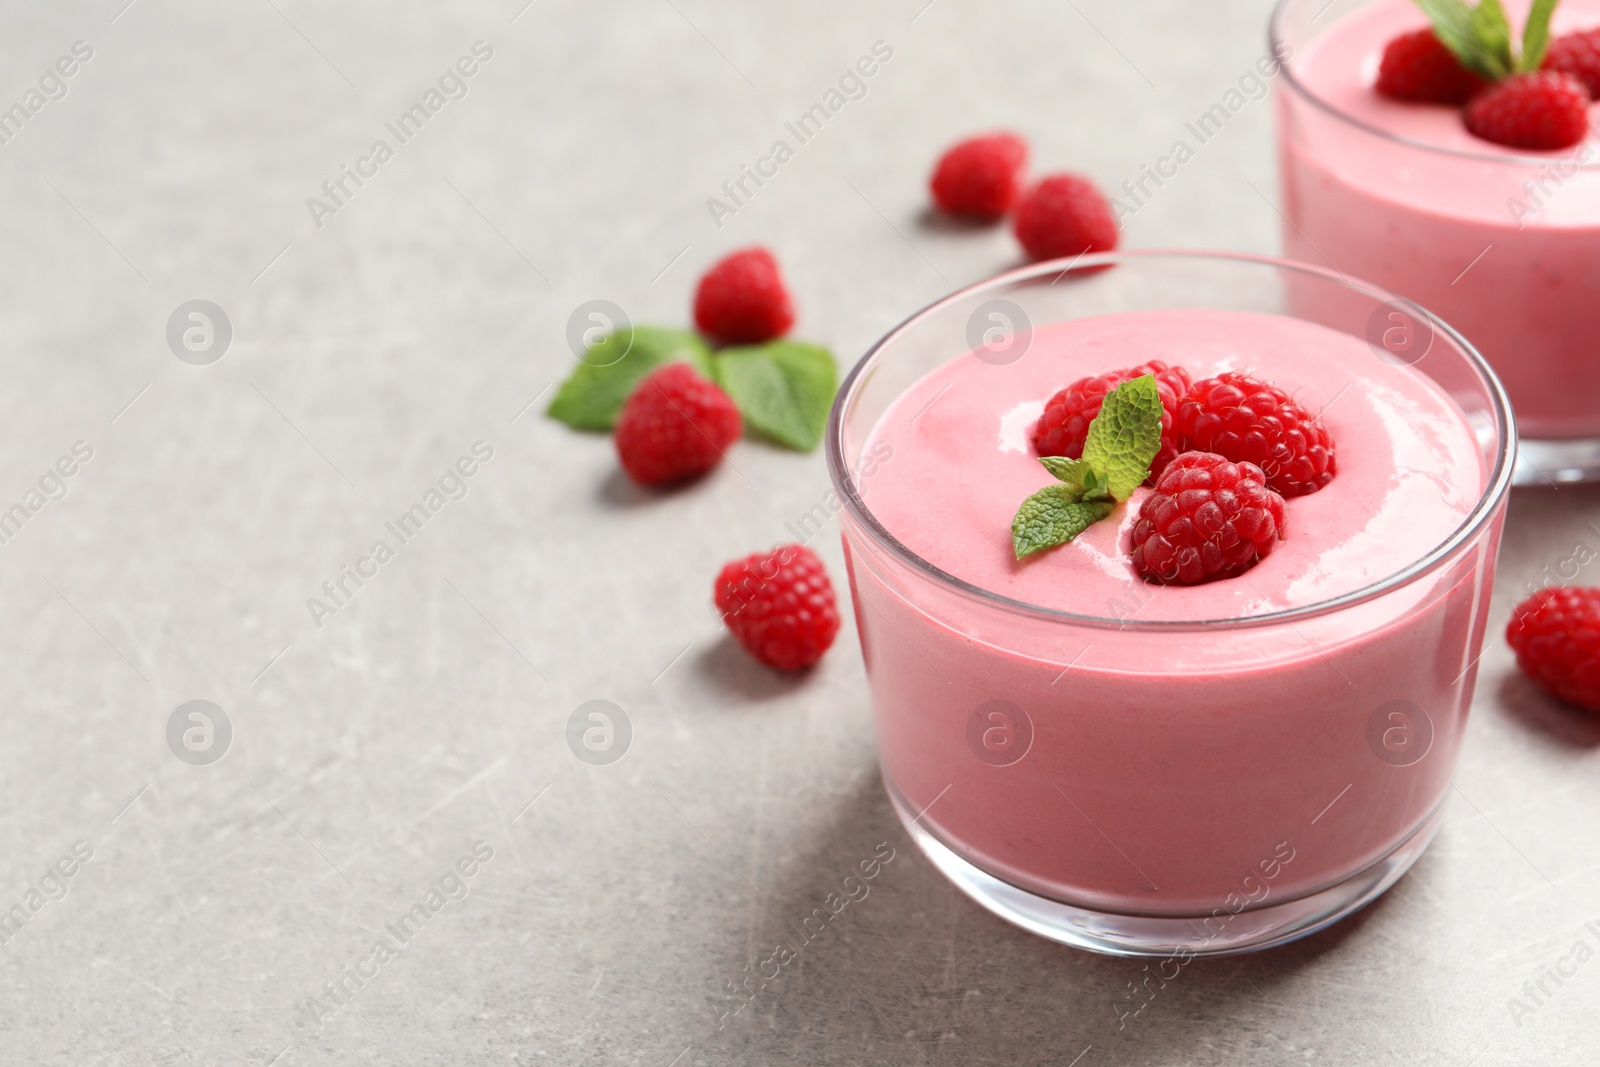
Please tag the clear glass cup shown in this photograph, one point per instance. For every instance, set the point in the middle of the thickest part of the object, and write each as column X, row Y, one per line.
column 1091, row 779
column 1500, row 245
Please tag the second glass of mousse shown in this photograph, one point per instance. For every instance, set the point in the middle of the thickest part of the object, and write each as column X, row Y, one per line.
column 1502, row 243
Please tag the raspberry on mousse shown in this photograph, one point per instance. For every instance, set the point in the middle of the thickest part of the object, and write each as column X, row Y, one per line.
column 1251, row 421
column 1207, row 518
column 1577, row 54
column 1540, row 111
column 1064, row 425
column 1417, row 67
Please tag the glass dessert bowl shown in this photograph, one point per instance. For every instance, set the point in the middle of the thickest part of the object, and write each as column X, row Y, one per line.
column 1145, row 769
column 1498, row 242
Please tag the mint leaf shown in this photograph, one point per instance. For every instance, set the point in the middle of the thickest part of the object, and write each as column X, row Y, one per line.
column 1053, row 517
column 592, row 397
column 1481, row 36
column 1125, row 436
column 1536, row 34
column 1075, row 472
column 1452, row 24
column 784, row 389
column 1492, row 29
column 1122, row 441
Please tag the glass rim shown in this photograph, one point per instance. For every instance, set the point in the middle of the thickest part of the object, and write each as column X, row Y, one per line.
column 1497, row 485
column 1275, row 38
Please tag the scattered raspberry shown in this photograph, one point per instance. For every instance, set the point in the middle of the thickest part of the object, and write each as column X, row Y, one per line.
column 1206, row 518
column 675, row 425
column 1556, row 636
column 1577, row 54
column 742, row 299
column 1064, row 426
column 1064, row 215
column 1418, row 67
column 1251, row 421
column 1538, row 111
column 980, row 177
column 780, row 605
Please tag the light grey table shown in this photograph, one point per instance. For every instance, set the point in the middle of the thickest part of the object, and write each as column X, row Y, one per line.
column 369, row 754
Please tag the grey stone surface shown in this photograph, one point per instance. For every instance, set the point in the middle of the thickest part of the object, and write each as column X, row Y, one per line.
column 371, row 753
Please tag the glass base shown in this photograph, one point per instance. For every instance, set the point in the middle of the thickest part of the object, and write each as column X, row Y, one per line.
column 1139, row 935
column 1557, row 462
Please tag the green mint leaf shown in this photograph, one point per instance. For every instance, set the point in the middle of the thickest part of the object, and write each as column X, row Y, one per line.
column 784, row 389
column 1053, row 517
column 1493, row 31
column 1125, row 436
column 1075, row 472
column 1536, row 34
column 1458, row 28
column 592, row 397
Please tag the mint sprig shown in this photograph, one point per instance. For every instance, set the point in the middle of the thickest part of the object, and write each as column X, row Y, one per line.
column 1125, row 436
column 783, row 389
column 1536, row 33
column 1481, row 36
column 593, row 396
column 1051, row 517
column 1122, row 441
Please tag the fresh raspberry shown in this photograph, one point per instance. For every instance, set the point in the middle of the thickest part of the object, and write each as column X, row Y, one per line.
column 780, row 605
column 1577, row 54
column 1251, row 421
column 1556, row 636
column 980, row 177
column 1064, row 215
column 1064, row 426
column 742, row 299
column 1418, row 67
column 1538, row 111
column 1206, row 518
column 675, row 425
